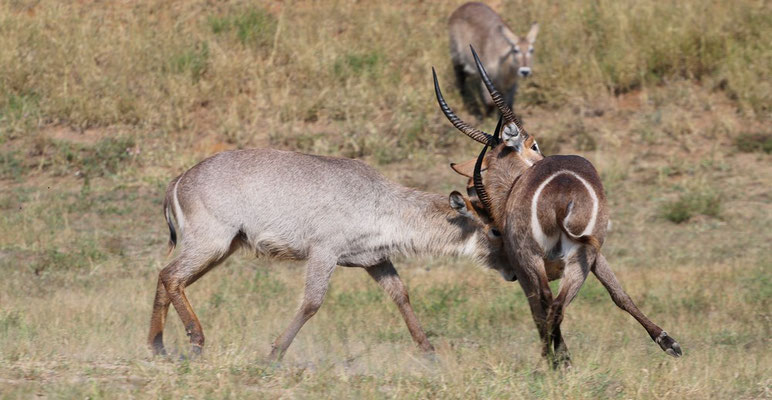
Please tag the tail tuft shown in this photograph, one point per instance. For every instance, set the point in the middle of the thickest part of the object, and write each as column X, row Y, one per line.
column 589, row 240
column 585, row 239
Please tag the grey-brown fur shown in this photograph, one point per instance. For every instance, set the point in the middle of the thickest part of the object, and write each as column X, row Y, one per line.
column 553, row 217
column 328, row 211
column 506, row 55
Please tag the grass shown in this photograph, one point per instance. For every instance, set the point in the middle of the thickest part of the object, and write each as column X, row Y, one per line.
column 254, row 27
column 101, row 105
column 692, row 202
column 749, row 142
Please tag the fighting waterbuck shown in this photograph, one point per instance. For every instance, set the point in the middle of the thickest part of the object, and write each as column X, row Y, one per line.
column 328, row 211
column 552, row 214
column 506, row 55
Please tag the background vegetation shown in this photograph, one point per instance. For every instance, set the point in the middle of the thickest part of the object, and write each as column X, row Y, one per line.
column 101, row 104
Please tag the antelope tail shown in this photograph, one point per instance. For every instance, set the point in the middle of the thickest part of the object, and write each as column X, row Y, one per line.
column 584, row 239
column 168, row 211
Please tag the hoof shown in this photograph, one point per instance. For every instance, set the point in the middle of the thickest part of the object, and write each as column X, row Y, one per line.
column 669, row 345
column 430, row 357
column 157, row 345
column 195, row 354
column 159, row 351
column 560, row 362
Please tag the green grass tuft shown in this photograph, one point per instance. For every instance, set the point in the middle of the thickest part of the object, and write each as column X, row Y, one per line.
column 365, row 64
column 754, row 142
column 254, row 27
column 694, row 202
column 193, row 61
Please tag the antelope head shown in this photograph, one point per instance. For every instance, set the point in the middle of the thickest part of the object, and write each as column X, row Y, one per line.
column 521, row 48
column 513, row 151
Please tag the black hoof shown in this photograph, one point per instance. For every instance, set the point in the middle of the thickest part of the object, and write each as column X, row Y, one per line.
column 195, row 354
column 560, row 362
column 157, row 345
column 159, row 351
column 669, row 345
column 430, row 357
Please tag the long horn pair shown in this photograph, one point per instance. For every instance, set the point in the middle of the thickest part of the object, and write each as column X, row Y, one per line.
column 473, row 133
column 504, row 109
column 482, row 194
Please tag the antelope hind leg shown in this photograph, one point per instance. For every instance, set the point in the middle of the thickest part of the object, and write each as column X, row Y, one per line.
column 574, row 275
column 158, row 319
column 623, row 301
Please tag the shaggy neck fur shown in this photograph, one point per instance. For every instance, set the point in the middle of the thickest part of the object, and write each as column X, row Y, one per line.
column 500, row 178
column 431, row 226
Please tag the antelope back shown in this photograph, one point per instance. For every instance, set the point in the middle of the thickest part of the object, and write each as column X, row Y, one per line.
column 287, row 200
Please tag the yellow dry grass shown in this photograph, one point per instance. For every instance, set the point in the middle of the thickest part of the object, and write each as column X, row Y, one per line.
column 101, row 104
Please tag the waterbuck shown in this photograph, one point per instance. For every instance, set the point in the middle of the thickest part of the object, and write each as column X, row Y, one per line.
column 327, row 211
column 506, row 55
column 552, row 214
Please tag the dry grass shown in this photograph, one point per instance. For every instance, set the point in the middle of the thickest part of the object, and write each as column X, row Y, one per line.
column 101, row 105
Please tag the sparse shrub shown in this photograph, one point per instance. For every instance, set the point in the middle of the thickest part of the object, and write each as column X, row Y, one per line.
column 17, row 112
column 54, row 259
column 11, row 166
column 106, row 156
column 691, row 203
column 754, row 142
column 194, row 61
column 10, row 320
column 255, row 27
column 103, row 158
column 358, row 64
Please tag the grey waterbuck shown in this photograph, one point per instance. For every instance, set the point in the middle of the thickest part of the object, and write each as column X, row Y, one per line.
column 506, row 55
column 327, row 211
column 552, row 214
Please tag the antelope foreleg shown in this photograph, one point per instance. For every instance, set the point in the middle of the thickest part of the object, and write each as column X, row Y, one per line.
column 387, row 277
column 318, row 272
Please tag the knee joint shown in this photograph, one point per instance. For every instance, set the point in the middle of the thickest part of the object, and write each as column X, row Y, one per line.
column 311, row 307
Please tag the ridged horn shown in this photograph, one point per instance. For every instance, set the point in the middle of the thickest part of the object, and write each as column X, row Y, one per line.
column 478, row 183
column 473, row 133
column 504, row 109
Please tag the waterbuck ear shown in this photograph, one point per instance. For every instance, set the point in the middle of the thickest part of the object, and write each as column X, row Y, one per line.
column 512, row 136
column 531, row 37
column 459, row 203
column 509, row 36
column 466, row 168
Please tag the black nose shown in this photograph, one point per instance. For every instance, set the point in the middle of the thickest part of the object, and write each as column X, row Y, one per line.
column 525, row 73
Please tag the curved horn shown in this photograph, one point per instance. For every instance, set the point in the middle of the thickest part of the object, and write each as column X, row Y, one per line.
column 497, row 131
column 473, row 133
column 504, row 109
column 478, row 183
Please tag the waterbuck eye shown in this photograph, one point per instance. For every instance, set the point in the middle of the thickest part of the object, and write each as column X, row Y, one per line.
column 516, row 50
column 495, row 232
column 535, row 147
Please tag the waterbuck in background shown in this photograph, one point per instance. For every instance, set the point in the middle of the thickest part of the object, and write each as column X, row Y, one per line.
column 327, row 211
column 552, row 214
column 506, row 55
